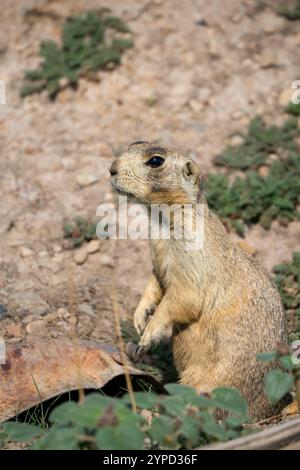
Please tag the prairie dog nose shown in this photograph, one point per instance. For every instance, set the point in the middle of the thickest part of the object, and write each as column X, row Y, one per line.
column 114, row 168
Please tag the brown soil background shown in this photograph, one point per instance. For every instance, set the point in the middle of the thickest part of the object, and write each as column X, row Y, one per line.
column 198, row 73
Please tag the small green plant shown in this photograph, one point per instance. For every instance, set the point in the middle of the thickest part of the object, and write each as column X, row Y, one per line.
column 287, row 279
column 282, row 380
column 258, row 144
column 292, row 13
column 90, row 42
column 294, row 108
column 255, row 198
column 78, row 231
column 182, row 419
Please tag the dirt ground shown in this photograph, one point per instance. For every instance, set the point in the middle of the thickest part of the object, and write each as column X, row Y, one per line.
column 199, row 72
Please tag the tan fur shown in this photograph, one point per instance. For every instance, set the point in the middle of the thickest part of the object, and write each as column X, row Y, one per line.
column 219, row 303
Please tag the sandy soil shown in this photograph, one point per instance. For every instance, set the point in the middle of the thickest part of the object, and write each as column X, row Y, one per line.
column 197, row 74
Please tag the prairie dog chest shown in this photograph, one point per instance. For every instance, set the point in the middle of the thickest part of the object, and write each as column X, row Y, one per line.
column 166, row 257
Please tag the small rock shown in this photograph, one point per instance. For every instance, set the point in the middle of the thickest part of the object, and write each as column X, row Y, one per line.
column 57, row 248
column 108, row 197
column 246, row 247
column 285, row 97
column 86, row 309
column 237, row 17
column 3, row 311
column 273, row 157
column 93, row 246
column 65, row 95
column 263, row 171
column 236, row 140
column 35, row 327
column 189, row 58
column 270, row 22
column 80, row 256
column 297, row 39
column 30, row 301
column 16, row 339
column 63, row 313
column 196, row 106
column 268, row 58
column 106, row 260
column 63, row 83
column 29, row 318
column 14, row 329
column 25, row 252
column 104, row 149
column 43, row 254
column 85, row 179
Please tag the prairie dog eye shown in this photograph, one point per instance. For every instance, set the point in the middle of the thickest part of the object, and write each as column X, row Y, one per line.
column 155, row 161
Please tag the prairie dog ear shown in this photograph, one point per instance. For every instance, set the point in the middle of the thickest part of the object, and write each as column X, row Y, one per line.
column 191, row 171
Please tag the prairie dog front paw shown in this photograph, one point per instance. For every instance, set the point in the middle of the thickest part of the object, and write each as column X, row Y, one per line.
column 141, row 317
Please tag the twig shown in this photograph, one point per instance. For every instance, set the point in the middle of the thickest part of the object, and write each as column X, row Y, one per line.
column 116, row 309
column 73, row 334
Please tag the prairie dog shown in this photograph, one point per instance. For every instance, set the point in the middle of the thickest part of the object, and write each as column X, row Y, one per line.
column 219, row 303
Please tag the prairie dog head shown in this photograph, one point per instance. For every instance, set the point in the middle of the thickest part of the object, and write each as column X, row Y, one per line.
column 156, row 175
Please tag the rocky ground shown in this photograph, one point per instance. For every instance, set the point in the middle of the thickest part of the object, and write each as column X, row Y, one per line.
column 197, row 74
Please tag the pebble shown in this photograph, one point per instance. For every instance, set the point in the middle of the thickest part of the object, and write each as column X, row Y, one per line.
column 268, row 58
column 263, row 171
column 106, row 260
column 108, row 197
column 246, row 247
column 273, row 157
column 236, row 140
column 270, row 22
column 30, row 301
column 25, row 252
column 63, row 83
column 285, row 97
column 65, row 95
column 85, row 179
column 297, row 38
column 3, row 311
column 81, row 256
column 93, row 246
column 16, row 339
column 34, row 327
column 14, row 329
column 29, row 318
column 86, row 309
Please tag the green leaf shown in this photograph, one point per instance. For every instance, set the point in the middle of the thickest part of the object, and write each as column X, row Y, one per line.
column 58, row 439
column 21, row 431
column 146, row 400
column 190, row 430
column 123, row 437
column 63, row 413
column 234, row 422
column 231, row 400
column 162, row 431
column 287, row 363
column 174, row 406
column 267, row 356
column 277, row 384
column 178, row 389
column 213, row 429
